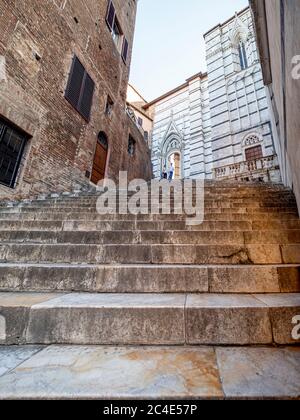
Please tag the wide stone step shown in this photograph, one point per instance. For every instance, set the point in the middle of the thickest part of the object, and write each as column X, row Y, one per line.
column 93, row 210
column 166, row 373
column 148, row 319
column 45, row 225
column 149, row 278
column 135, row 237
column 262, row 198
column 151, row 254
column 208, row 216
column 209, row 202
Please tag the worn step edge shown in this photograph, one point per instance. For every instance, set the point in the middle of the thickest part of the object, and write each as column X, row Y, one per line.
column 72, row 225
column 168, row 237
column 149, row 278
column 169, row 319
column 151, row 254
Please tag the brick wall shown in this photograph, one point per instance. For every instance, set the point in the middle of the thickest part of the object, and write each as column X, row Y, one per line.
column 38, row 40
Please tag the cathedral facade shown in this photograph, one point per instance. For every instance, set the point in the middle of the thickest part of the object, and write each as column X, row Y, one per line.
column 218, row 125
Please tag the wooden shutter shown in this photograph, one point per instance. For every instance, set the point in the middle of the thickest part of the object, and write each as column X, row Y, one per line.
column 125, row 50
column 76, row 77
column 80, row 89
column 86, row 99
column 110, row 17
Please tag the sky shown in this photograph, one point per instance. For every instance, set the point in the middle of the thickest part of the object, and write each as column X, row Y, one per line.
column 169, row 46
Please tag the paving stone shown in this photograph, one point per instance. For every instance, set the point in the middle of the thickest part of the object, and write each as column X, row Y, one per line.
column 260, row 372
column 115, row 373
column 13, row 356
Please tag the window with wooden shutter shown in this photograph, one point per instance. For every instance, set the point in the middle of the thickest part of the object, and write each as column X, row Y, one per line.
column 80, row 89
column 125, row 50
column 75, row 82
column 111, row 14
column 85, row 104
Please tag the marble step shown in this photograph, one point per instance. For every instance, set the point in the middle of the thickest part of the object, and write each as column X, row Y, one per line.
column 56, row 226
column 148, row 319
column 150, row 254
column 149, row 278
column 136, row 237
column 145, row 373
column 92, row 216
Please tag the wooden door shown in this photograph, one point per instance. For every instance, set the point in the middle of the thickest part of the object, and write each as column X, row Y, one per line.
column 99, row 163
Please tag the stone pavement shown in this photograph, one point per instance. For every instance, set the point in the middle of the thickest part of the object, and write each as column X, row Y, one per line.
column 97, row 372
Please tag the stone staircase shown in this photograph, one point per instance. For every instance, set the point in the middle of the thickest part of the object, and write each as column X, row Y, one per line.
column 201, row 311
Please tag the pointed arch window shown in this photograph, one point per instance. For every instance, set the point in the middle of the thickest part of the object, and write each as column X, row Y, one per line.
column 243, row 56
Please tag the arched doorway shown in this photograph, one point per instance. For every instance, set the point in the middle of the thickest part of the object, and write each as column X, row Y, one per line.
column 172, row 150
column 100, row 158
column 175, row 158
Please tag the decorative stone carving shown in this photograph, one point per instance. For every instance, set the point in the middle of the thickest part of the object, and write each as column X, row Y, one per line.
column 252, row 140
column 239, row 32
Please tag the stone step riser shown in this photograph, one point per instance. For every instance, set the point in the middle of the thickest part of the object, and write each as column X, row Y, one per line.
column 149, row 320
column 234, row 201
column 150, row 279
column 236, row 197
column 263, row 196
column 130, row 225
column 248, row 217
column 153, row 237
column 216, row 209
column 151, row 254
column 213, row 188
column 212, row 203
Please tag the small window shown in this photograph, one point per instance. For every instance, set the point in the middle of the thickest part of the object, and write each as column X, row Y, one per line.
column 131, row 146
column 146, row 135
column 12, row 143
column 125, row 49
column 110, row 17
column 117, row 34
column 254, row 153
column 80, row 89
column 140, row 122
column 109, row 106
column 116, row 31
column 243, row 56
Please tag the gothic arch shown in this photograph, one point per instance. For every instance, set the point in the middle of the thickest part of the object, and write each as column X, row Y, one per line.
column 239, row 32
column 171, row 145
